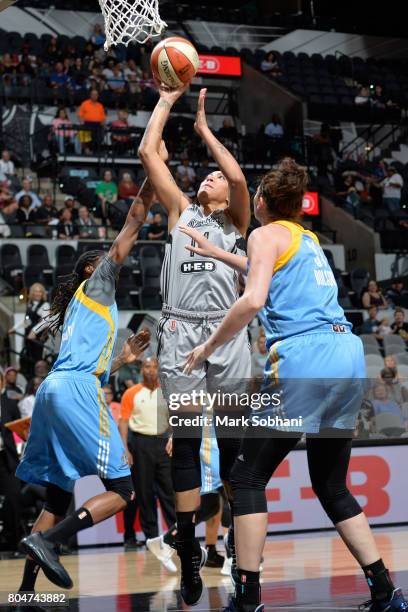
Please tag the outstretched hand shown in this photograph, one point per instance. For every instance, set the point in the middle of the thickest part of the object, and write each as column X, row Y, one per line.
column 202, row 246
column 200, row 123
column 135, row 345
column 171, row 95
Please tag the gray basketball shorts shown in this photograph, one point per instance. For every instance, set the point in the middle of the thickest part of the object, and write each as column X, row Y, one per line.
column 227, row 370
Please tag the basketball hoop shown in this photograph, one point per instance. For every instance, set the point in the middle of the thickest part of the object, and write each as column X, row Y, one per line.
column 127, row 20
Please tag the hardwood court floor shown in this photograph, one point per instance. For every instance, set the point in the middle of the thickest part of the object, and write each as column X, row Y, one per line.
column 311, row 572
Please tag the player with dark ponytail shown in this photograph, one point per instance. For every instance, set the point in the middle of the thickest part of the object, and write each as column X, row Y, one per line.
column 72, row 432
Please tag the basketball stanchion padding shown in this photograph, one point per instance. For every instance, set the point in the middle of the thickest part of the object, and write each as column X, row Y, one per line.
column 128, row 20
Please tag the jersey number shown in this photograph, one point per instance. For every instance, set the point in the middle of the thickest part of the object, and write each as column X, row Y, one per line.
column 193, row 242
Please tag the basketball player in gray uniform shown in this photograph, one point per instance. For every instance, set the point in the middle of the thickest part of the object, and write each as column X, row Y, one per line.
column 197, row 292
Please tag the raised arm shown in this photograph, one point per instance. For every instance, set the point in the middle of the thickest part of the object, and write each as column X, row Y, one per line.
column 205, row 248
column 239, row 204
column 262, row 254
column 136, row 217
column 168, row 193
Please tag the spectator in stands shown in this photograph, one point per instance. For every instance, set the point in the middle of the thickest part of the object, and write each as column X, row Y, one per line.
column 98, row 36
column 143, row 426
column 378, row 99
column 396, row 294
column 157, row 230
column 394, row 389
column 392, row 186
column 70, row 203
column 60, row 83
column 53, row 53
column 9, row 212
column 270, row 65
column 107, row 192
column 5, row 230
column 349, row 196
column 36, row 310
column 372, row 324
column 258, row 357
column 274, row 128
column 26, row 189
column 86, row 224
column 129, row 375
column 187, row 187
column 323, row 148
column 372, row 296
column 132, row 70
column 62, row 135
column 185, row 169
column 11, row 390
column 25, row 212
column 9, row 485
column 26, row 405
column 41, row 368
column 121, row 138
column 93, row 116
column 228, row 133
column 384, row 404
column 6, row 164
column 400, row 327
column 127, row 188
column 365, row 421
column 67, row 229
column 46, row 212
column 117, row 83
column 134, row 93
column 363, row 97
column 114, row 407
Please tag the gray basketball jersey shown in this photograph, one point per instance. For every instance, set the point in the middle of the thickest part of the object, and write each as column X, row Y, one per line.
column 200, row 284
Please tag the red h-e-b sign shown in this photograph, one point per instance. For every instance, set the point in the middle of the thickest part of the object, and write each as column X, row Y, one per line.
column 310, row 204
column 220, row 65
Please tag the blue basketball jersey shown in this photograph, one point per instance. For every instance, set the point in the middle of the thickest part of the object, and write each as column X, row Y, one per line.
column 88, row 337
column 302, row 295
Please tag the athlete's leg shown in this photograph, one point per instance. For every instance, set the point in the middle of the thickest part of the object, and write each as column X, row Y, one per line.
column 328, row 464
column 55, row 508
column 258, row 459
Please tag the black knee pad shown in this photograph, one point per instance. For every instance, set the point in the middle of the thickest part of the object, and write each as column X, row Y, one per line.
column 209, row 507
column 248, row 487
column 229, row 448
column 338, row 503
column 57, row 500
column 122, row 486
column 185, row 464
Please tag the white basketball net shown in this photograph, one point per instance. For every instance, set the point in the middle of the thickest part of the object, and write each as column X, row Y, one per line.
column 127, row 20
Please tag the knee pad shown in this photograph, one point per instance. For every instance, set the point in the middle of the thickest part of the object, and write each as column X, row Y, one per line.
column 248, row 487
column 338, row 503
column 229, row 448
column 185, row 464
column 123, row 486
column 210, row 505
column 57, row 500
column 249, row 501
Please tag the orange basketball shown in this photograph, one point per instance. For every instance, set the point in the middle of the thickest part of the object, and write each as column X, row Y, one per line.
column 174, row 61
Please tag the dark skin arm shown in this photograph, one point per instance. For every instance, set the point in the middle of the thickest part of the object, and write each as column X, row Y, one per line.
column 136, row 217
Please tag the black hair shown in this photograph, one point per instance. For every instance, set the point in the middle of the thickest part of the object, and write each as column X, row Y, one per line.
column 67, row 287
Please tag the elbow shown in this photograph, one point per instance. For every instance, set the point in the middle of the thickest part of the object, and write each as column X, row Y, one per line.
column 144, row 152
column 255, row 303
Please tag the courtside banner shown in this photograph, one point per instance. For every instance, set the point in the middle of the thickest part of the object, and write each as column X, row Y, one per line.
column 375, row 477
column 220, row 65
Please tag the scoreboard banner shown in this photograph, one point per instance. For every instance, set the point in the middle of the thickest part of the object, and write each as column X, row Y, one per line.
column 376, row 477
column 220, row 65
